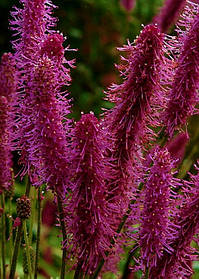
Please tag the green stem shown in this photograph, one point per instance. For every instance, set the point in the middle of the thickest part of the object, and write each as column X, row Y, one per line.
column 16, row 251
column 3, row 239
column 126, row 272
column 27, row 249
column 38, row 233
column 60, row 210
column 10, row 228
column 33, row 211
column 28, row 185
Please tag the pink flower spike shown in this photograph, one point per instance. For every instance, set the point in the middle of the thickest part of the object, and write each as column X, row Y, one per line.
column 8, row 87
column 31, row 22
column 89, row 216
column 127, row 123
column 183, row 95
column 47, row 139
column 157, row 206
column 177, row 263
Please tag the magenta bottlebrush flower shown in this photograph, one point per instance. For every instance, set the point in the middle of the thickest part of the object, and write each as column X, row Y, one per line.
column 169, row 13
column 128, row 4
column 177, row 264
column 33, row 24
column 183, row 95
column 52, row 52
column 8, row 86
column 47, row 139
column 30, row 24
column 90, row 216
column 126, row 123
column 157, row 204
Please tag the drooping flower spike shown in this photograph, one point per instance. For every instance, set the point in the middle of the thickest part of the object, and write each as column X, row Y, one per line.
column 90, row 218
column 183, row 95
column 8, row 87
column 126, row 124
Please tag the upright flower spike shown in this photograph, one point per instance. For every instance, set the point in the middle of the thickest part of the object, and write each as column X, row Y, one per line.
column 33, row 24
column 52, row 56
column 30, row 23
column 157, row 205
column 127, row 121
column 90, row 223
column 47, row 140
column 176, row 264
column 169, row 14
column 183, row 95
column 8, row 86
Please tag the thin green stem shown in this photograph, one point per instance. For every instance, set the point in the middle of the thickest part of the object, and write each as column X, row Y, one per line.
column 60, row 210
column 38, row 233
column 3, row 239
column 10, row 228
column 28, row 185
column 18, row 239
column 126, row 272
column 33, row 213
column 16, row 251
column 27, row 249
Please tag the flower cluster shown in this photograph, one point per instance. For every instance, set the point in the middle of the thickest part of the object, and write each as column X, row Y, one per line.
column 106, row 172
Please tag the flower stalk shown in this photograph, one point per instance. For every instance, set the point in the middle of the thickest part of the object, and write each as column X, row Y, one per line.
column 38, row 232
column 3, row 239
